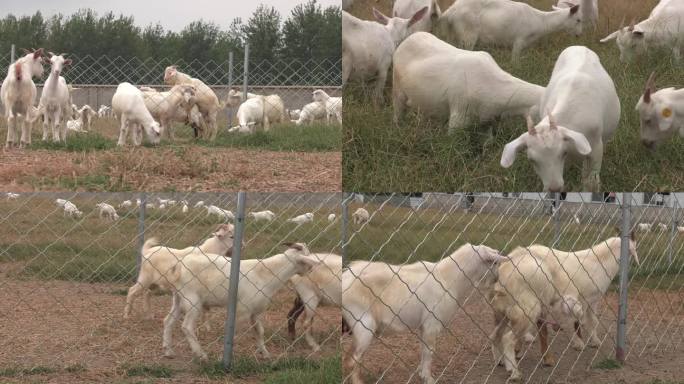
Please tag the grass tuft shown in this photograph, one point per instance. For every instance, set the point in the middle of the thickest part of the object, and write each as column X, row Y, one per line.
column 608, row 363
column 159, row 371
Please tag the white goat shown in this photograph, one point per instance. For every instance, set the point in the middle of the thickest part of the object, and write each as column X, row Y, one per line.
column 263, row 215
column 185, row 208
column 331, row 217
column 104, row 111
column 199, row 204
column 55, row 99
column 61, row 202
column 367, row 47
column 12, row 196
column 274, row 108
column 128, row 105
column 86, row 115
column 662, row 227
column 536, row 279
column 333, row 105
column 75, row 126
column 506, row 23
column 158, row 261
column 443, row 81
column 660, row 113
column 644, row 227
column 206, row 100
column 407, row 8
column 223, row 214
column 360, row 216
column 310, row 113
column 107, row 211
column 294, row 114
column 70, row 209
column 164, row 106
column 201, row 281
column 18, row 94
column 583, row 113
column 250, row 114
column 302, row 219
column 664, row 27
column 380, row 297
column 126, row 204
column 320, row 286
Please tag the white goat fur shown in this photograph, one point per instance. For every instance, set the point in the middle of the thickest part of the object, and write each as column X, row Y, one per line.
column 165, row 106
column 206, row 100
column 56, row 100
column 360, row 216
column 301, row 219
column 107, row 211
column 18, row 94
column 407, row 8
column 128, row 105
column 263, row 215
column 333, row 105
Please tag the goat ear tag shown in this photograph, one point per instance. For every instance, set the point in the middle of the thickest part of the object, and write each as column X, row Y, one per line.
column 666, row 112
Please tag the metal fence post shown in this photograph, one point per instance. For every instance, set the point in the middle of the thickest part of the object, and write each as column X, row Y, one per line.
column 12, row 54
column 141, row 231
column 245, row 75
column 673, row 233
column 345, row 225
column 230, row 86
column 624, row 277
column 229, row 329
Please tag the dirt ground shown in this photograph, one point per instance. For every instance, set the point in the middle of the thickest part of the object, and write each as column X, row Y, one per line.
column 154, row 169
column 62, row 325
column 655, row 334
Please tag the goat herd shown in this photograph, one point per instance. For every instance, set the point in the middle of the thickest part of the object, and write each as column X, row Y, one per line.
column 574, row 115
column 189, row 101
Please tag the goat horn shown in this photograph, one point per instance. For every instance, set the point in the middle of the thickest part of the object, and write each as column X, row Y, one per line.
column 631, row 25
column 530, row 125
column 552, row 121
column 650, row 87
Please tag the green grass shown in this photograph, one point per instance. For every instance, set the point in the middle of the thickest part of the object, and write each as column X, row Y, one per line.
column 86, row 142
column 291, row 370
column 159, row 371
column 310, row 138
column 419, row 154
column 608, row 363
column 18, row 371
column 48, row 245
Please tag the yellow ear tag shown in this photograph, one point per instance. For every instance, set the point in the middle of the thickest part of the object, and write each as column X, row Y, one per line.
column 667, row 112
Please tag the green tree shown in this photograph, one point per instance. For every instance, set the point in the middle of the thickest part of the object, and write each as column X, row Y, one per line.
column 263, row 34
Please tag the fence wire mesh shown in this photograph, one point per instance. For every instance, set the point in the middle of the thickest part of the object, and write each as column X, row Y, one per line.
column 425, row 284
column 209, row 101
column 67, row 262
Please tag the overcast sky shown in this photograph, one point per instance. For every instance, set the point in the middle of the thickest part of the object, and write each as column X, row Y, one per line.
column 172, row 14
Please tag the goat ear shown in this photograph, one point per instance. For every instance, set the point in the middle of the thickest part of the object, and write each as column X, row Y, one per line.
column 417, row 16
column 574, row 9
column 382, row 19
column 67, row 62
column 610, row 37
column 512, row 148
column 288, row 244
column 638, row 34
column 581, row 143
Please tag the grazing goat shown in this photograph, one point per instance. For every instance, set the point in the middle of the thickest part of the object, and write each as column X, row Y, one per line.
column 126, row 204
column 331, row 217
column 420, row 298
column 274, row 108
column 361, row 216
column 301, row 219
column 506, row 23
column 320, row 286
column 71, row 210
column 310, row 113
column 107, row 211
column 158, row 262
column 12, row 196
column 333, row 105
column 263, row 215
column 201, row 282
column 443, row 81
column 583, row 113
column 18, row 94
column 537, row 279
column 223, row 214
column 205, row 99
column 660, row 113
column 250, row 114
column 367, row 47
column 128, row 105
column 55, row 99
column 589, row 9
column 664, row 27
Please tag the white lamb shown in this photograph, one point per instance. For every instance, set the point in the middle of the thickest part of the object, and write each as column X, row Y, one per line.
column 107, row 212
column 506, row 23
column 128, row 105
column 589, row 9
column 55, row 99
column 660, row 113
column 583, row 111
column 407, row 8
column 367, row 47
column 536, row 279
column 331, row 217
column 86, row 115
column 71, row 210
column 644, row 227
column 360, row 216
column 310, row 113
column 443, row 81
column 158, row 262
column 320, row 286
column 199, row 204
column 202, row 281
column 420, row 298
column 263, row 215
column 12, row 196
column 18, row 94
column 104, row 111
column 223, row 214
column 302, row 219
column 127, row 204
column 664, row 27
column 333, row 105
column 274, row 108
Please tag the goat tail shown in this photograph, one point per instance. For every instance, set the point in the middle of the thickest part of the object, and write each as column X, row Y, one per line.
column 17, row 71
column 151, row 242
column 295, row 312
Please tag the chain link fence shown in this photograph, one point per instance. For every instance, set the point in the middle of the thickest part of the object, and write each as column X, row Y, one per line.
column 68, row 263
column 289, row 85
column 423, row 309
